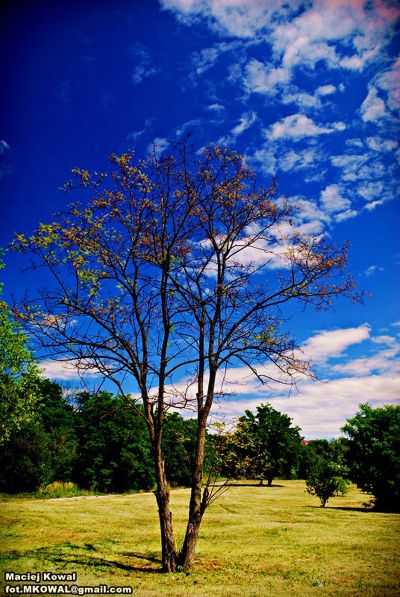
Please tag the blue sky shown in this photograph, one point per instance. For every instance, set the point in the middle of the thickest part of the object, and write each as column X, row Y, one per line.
column 307, row 91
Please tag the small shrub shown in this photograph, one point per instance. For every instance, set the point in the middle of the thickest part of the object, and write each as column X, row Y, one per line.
column 60, row 489
column 325, row 481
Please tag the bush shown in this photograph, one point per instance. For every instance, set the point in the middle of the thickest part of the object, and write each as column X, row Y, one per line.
column 58, row 489
column 325, row 481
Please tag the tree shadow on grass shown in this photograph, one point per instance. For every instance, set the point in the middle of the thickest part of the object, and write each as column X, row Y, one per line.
column 263, row 486
column 344, row 508
column 67, row 553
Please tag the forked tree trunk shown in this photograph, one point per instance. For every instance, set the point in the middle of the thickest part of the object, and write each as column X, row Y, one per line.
column 169, row 555
column 197, row 504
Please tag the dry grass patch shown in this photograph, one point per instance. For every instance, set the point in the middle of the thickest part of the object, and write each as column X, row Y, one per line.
column 254, row 541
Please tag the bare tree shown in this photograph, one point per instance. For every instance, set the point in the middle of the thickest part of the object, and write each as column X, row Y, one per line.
column 173, row 271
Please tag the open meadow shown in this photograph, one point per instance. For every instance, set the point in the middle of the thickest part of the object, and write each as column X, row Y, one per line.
column 254, row 541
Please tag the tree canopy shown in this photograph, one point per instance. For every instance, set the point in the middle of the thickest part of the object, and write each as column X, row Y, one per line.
column 263, row 445
column 18, row 374
column 174, row 269
column 374, row 453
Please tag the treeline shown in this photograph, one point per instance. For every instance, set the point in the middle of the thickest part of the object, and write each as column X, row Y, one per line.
column 95, row 440
column 99, row 442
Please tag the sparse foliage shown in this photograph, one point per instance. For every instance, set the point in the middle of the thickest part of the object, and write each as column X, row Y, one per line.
column 176, row 269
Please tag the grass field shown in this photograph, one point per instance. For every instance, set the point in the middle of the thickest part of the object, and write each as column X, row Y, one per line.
column 254, row 541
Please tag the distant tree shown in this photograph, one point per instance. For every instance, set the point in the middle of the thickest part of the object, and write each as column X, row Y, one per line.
column 114, row 451
column 312, row 451
column 156, row 279
column 43, row 448
column 268, row 444
column 226, row 451
column 25, row 459
column 325, row 480
column 374, row 453
column 179, row 444
column 57, row 417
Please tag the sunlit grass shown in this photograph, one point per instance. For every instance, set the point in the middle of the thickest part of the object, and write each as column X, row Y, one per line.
column 254, row 541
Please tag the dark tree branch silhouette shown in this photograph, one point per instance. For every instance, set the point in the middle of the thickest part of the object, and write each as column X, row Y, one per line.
column 175, row 269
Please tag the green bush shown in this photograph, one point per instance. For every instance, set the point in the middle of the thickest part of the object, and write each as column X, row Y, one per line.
column 325, row 481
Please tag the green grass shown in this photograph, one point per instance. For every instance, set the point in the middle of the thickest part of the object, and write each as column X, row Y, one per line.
column 254, row 541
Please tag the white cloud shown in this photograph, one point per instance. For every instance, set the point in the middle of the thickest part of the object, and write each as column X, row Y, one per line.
column 326, row 90
column 320, row 408
column 379, row 144
column 215, row 107
column 298, row 126
column 65, row 371
column 206, row 58
column 371, row 206
column 142, row 68
column 373, row 107
column 240, row 18
column 332, row 199
column 302, row 99
column 346, row 215
column 389, row 81
column 158, row 146
column 372, row 269
column 371, row 190
column 390, row 340
column 342, row 33
column 332, row 343
column 351, row 164
column 298, row 160
column 246, row 121
column 264, row 80
column 383, row 362
column 266, row 158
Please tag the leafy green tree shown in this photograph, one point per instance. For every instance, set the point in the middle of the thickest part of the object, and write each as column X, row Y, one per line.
column 179, row 443
column 374, row 453
column 25, row 459
column 43, row 448
column 57, row 417
column 18, row 375
column 226, row 451
column 325, row 480
column 114, row 451
column 312, row 451
column 268, row 444
column 156, row 278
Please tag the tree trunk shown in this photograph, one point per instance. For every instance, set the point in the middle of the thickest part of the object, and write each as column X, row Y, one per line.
column 269, row 480
column 168, row 549
column 197, row 504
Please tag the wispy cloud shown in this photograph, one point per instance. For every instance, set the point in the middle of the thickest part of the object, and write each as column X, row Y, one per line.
column 159, row 145
column 298, row 126
column 246, row 121
column 329, row 344
column 372, row 269
column 65, row 371
column 142, row 64
column 4, row 147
